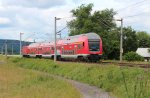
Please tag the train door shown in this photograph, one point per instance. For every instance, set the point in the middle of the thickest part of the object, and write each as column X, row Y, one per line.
column 48, row 50
column 40, row 50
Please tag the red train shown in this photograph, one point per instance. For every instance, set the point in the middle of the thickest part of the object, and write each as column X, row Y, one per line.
column 79, row 47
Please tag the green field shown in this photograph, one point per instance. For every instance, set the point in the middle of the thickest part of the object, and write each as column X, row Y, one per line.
column 122, row 82
column 16, row 82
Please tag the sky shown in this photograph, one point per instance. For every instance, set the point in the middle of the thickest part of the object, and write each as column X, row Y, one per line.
column 35, row 18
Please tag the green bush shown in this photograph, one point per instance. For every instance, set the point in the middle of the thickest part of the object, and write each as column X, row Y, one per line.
column 133, row 56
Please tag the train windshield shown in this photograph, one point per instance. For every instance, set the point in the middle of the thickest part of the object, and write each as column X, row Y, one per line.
column 94, row 45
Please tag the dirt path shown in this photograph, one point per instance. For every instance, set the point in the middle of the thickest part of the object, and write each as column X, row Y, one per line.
column 2, row 62
column 90, row 91
column 86, row 90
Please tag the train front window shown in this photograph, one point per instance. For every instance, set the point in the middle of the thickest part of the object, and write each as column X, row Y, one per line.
column 94, row 45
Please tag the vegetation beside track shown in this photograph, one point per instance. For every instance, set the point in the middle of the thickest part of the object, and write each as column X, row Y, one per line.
column 123, row 82
column 16, row 82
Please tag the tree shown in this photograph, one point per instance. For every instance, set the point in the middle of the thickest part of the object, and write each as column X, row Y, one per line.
column 83, row 22
column 129, row 40
column 143, row 39
column 100, row 22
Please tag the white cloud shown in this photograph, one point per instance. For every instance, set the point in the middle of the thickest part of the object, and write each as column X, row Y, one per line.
column 34, row 3
column 4, row 20
column 31, row 16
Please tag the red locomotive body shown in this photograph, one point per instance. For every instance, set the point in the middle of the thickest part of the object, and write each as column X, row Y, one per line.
column 83, row 47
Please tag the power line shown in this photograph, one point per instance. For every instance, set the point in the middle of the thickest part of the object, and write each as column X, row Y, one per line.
column 62, row 29
column 132, row 5
column 130, row 16
column 71, row 17
column 104, row 22
column 29, row 36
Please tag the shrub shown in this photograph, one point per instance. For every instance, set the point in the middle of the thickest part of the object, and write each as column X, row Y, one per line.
column 133, row 56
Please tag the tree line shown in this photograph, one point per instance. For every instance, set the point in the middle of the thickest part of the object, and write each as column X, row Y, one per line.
column 102, row 22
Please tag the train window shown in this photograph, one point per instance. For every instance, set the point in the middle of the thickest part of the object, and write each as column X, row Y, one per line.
column 80, row 46
column 73, row 52
column 40, row 49
column 59, row 47
column 83, row 44
column 52, row 48
column 94, row 45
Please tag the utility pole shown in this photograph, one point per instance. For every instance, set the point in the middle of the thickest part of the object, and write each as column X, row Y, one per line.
column 20, row 43
column 6, row 48
column 12, row 49
column 121, row 39
column 55, row 54
column 55, row 40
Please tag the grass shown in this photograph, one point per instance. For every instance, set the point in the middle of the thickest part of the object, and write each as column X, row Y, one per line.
column 123, row 82
column 16, row 82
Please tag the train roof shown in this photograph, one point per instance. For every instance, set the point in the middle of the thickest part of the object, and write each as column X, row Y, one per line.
column 88, row 35
column 41, row 44
column 78, row 38
column 34, row 44
column 69, row 39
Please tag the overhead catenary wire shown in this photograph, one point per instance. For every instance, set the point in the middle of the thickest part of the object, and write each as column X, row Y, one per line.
column 131, row 5
column 104, row 22
column 131, row 16
column 35, row 37
column 29, row 36
column 62, row 29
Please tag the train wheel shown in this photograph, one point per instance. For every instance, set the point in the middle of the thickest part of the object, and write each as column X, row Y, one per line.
column 80, row 58
column 59, row 58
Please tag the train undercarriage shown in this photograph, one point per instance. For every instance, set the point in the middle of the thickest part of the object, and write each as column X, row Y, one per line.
column 82, row 58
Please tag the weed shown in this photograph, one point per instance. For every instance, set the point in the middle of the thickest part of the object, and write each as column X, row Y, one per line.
column 124, row 82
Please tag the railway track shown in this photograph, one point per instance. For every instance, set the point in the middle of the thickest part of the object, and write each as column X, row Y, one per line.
column 128, row 64
column 115, row 63
column 135, row 65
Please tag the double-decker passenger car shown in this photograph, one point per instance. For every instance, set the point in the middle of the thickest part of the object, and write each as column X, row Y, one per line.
column 79, row 47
